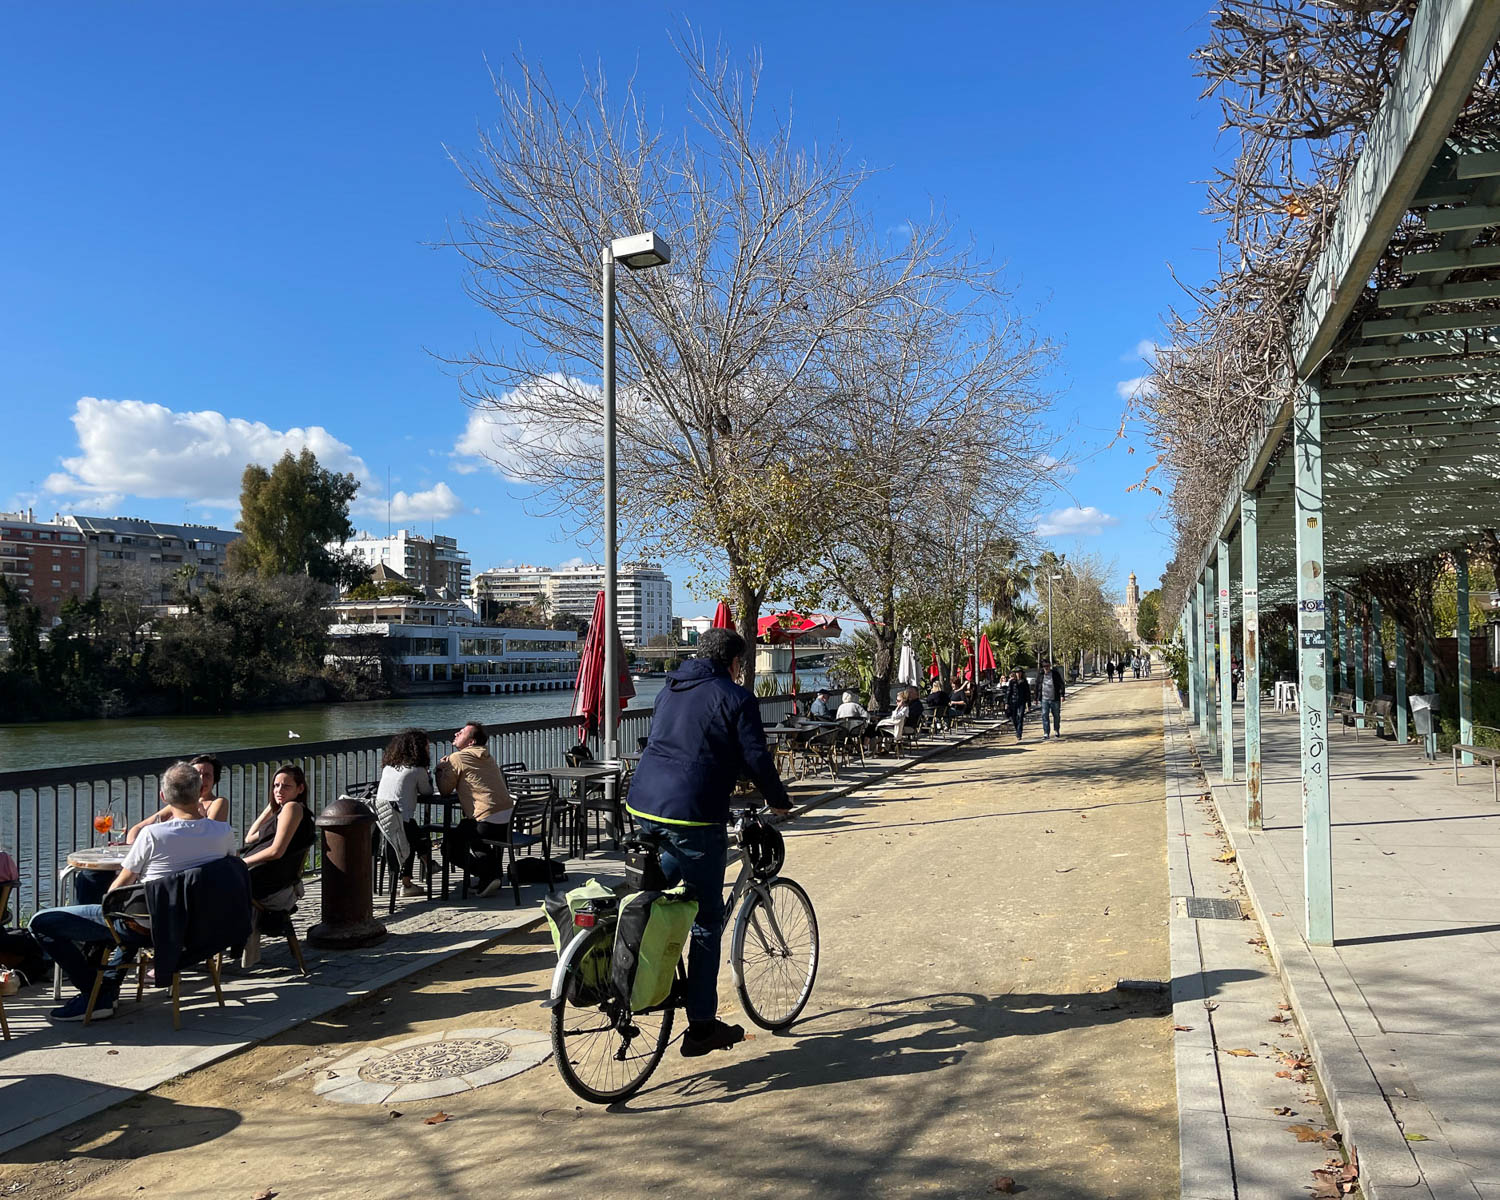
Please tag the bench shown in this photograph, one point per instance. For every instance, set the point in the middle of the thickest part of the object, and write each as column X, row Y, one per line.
column 1383, row 708
column 1488, row 753
column 1343, row 709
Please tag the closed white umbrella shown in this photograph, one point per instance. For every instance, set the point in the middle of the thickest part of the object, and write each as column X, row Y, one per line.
column 908, row 674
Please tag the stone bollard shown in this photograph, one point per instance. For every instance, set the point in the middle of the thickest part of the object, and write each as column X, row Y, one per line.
column 348, row 901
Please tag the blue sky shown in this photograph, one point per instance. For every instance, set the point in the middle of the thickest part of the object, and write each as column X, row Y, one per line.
column 215, row 236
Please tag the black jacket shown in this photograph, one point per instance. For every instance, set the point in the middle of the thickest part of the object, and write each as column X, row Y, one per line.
column 705, row 732
column 196, row 913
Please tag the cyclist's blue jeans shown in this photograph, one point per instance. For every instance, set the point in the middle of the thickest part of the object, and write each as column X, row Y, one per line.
column 1051, row 709
column 696, row 855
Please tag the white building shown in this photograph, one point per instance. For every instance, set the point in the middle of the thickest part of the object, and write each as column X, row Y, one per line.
column 645, row 594
column 511, row 585
column 435, row 565
column 436, row 642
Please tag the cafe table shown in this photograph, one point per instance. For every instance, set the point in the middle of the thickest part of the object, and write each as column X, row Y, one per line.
column 580, row 777
column 85, row 858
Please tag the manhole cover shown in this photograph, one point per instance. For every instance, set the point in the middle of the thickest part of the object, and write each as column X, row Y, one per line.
column 436, row 1060
column 1206, row 908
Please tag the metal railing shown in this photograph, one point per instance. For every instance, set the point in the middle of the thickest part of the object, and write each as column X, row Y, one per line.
column 47, row 812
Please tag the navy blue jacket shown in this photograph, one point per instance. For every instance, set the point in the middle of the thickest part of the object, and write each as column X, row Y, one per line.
column 706, row 731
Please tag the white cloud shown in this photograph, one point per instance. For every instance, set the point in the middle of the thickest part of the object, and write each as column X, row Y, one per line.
column 1145, row 351
column 575, row 561
column 131, row 448
column 1129, row 389
column 1076, row 522
column 902, row 231
column 554, row 417
column 435, row 504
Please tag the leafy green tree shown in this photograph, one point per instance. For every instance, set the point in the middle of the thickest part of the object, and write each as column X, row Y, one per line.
column 288, row 515
column 388, row 589
column 1148, row 616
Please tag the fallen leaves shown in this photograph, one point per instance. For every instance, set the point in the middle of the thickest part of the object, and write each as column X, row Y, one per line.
column 1284, row 1111
column 1335, row 1178
column 267, row 1194
column 437, row 1118
column 1227, row 857
column 1003, row 1184
column 1417, row 1137
column 1306, row 1133
column 1278, row 1018
column 1183, row 1028
column 1241, row 1052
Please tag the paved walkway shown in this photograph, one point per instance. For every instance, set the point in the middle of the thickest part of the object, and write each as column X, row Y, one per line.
column 52, row 1075
column 1401, row 1014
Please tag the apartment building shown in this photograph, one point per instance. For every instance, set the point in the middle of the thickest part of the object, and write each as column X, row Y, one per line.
column 644, row 594
column 149, row 557
column 45, row 562
column 434, row 564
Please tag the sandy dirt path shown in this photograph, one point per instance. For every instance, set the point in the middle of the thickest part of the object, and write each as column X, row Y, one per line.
column 976, row 913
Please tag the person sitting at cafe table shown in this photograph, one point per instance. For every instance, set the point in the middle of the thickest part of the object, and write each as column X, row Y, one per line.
column 820, row 704
column 404, row 780
column 850, row 707
column 485, row 800
column 71, row 936
column 278, row 841
column 210, row 804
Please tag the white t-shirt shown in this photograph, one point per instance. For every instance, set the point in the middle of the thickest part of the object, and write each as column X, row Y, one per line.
column 178, row 845
column 404, row 785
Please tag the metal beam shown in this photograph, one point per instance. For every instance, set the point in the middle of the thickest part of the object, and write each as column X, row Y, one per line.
column 1478, row 387
column 1441, row 293
column 1382, row 351
column 1401, row 730
column 1312, row 678
column 1479, row 318
column 1420, row 370
column 1377, row 652
column 1211, row 661
column 1201, row 661
column 1250, row 624
column 1448, row 43
column 1476, row 166
column 1450, row 260
column 1470, row 216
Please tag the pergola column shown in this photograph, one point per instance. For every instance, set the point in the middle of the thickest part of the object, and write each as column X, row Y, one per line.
column 1250, row 624
column 1401, row 730
column 1312, row 679
column 1226, row 670
column 1357, row 636
column 1188, row 623
column 1200, row 668
column 1377, row 652
column 1465, row 665
column 1341, row 609
column 1211, row 660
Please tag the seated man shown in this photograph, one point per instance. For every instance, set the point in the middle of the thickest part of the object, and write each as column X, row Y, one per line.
column 850, row 707
column 486, row 804
column 187, row 840
column 820, row 705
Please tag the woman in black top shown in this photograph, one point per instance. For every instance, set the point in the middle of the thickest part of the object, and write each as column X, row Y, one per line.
column 277, row 844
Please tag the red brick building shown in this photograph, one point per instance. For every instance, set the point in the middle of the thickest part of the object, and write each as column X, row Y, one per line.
column 46, row 563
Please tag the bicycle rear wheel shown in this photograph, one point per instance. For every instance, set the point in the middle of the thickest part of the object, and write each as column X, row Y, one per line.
column 775, row 953
column 604, row 1052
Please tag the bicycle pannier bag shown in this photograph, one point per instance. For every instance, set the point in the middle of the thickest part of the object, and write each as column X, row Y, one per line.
column 559, row 910
column 649, row 937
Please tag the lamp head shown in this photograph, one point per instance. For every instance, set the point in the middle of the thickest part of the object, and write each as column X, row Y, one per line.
column 641, row 251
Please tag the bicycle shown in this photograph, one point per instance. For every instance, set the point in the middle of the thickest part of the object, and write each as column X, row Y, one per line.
column 605, row 1052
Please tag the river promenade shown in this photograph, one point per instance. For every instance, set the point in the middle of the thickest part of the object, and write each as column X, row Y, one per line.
column 1012, row 988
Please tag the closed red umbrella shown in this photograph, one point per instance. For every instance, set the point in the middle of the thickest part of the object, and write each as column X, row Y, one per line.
column 723, row 618
column 985, row 658
column 934, row 671
column 588, row 688
column 968, row 661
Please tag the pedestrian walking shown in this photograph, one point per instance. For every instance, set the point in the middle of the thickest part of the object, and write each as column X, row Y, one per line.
column 1050, row 685
column 1017, row 701
column 1109, row 669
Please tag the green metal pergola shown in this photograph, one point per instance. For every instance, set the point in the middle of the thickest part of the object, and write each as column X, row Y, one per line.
column 1387, row 450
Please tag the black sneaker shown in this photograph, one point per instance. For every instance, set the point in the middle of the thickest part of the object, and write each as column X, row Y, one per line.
column 710, row 1035
column 77, row 1007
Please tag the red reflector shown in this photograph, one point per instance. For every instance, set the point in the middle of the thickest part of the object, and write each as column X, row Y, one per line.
column 584, row 920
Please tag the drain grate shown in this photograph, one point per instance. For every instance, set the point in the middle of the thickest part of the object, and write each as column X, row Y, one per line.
column 1205, row 908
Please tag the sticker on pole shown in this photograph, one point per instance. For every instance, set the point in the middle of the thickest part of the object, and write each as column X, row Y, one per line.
column 1310, row 605
column 1315, row 639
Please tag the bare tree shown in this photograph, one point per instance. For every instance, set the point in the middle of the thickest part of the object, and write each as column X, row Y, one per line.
column 720, row 355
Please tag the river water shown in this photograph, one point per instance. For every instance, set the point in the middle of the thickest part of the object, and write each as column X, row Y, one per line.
column 62, row 743
column 65, row 743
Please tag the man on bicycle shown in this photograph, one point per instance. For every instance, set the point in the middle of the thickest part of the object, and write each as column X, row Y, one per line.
column 705, row 733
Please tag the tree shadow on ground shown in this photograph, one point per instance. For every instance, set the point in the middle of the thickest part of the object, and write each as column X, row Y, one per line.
column 144, row 1124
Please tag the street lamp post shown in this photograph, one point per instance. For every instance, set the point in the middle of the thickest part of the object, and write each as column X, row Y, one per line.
column 638, row 253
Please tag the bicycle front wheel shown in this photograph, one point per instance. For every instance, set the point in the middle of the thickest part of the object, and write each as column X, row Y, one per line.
column 775, row 953
column 604, row 1052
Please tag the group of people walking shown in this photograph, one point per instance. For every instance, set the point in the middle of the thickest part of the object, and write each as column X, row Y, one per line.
column 1140, row 664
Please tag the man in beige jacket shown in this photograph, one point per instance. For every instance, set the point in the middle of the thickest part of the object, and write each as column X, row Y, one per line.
column 486, row 804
